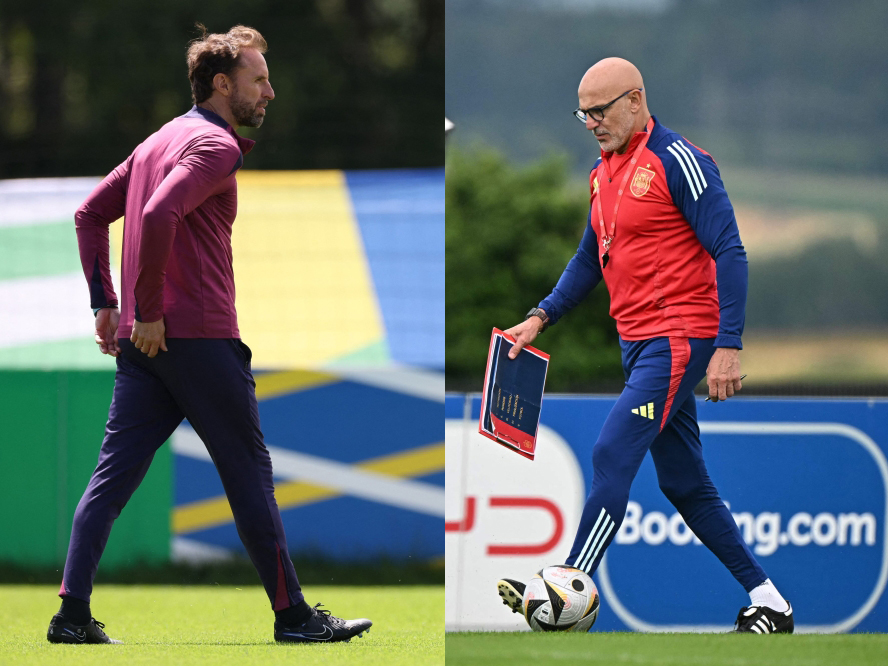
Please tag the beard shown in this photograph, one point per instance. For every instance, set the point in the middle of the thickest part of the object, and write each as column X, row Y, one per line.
column 618, row 136
column 245, row 114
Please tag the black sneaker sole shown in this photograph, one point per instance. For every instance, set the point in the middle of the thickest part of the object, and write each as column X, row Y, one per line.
column 767, row 621
column 63, row 632
column 70, row 640
column 360, row 635
column 511, row 595
column 280, row 638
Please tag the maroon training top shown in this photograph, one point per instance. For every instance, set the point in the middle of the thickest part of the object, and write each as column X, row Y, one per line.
column 178, row 195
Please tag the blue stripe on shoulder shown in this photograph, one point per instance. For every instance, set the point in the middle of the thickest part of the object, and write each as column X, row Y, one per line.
column 688, row 169
column 661, row 136
column 206, row 114
column 238, row 164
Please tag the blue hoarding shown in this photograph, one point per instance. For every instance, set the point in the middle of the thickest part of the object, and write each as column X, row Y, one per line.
column 807, row 483
column 358, row 465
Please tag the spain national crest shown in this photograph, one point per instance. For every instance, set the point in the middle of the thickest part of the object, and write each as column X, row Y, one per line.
column 641, row 182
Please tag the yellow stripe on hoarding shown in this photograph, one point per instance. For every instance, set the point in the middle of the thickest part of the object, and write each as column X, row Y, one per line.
column 274, row 384
column 215, row 511
column 327, row 178
column 305, row 295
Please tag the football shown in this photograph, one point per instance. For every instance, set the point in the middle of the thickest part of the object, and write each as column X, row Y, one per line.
column 561, row 598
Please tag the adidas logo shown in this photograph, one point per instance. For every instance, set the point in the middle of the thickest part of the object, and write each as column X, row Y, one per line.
column 646, row 411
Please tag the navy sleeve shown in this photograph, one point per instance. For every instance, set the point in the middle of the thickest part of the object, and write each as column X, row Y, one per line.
column 105, row 204
column 582, row 274
column 698, row 192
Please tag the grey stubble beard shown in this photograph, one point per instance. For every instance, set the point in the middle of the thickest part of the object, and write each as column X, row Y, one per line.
column 245, row 114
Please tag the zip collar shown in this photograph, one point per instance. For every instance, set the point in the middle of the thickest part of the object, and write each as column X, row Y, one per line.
column 633, row 142
column 246, row 145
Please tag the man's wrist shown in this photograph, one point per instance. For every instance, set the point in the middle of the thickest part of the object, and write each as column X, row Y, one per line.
column 104, row 307
column 541, row 314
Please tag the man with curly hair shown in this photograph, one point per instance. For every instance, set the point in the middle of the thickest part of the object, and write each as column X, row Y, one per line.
column 175, row 337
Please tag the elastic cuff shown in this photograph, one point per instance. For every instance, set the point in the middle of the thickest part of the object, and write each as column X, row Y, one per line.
column 102, row 307
column 730, row 341
column 551, row 312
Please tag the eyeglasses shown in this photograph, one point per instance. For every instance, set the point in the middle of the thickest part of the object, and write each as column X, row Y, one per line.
column 597, row 112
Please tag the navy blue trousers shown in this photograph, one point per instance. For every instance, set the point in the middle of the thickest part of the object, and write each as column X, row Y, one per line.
column 209, row 382
column 657, row 411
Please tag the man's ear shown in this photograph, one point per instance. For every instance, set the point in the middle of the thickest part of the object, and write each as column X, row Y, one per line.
column 222, row 83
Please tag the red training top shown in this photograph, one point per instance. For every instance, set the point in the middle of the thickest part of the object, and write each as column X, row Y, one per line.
column 672, row 257
column 178, row 195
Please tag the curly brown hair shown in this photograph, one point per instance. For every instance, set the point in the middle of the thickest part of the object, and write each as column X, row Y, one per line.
column 216, row 53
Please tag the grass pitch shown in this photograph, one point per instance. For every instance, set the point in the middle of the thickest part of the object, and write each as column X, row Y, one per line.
column 223, row 625
column 667, row 649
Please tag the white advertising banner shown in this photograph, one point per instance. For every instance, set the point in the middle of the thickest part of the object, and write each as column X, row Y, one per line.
column 506, row 517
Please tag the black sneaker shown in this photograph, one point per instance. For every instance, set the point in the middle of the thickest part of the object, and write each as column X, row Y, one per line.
column 62, row 631
column 321, row 627
column 764, row 620
column 512, row 592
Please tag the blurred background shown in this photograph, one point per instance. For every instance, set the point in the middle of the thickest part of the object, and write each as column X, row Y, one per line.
column 788, row 97
column 339, row 263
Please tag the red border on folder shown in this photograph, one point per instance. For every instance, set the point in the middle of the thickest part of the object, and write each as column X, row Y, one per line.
column 503, row 433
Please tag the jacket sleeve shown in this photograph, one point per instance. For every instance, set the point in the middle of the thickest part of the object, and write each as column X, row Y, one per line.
column 581, row 276
column 199, row 174
column 697, row 190
column 104, row 205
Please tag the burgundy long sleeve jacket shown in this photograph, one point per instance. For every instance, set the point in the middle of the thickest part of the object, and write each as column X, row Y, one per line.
column 178, row 195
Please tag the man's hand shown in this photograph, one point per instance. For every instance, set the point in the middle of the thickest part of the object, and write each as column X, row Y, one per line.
column 524, row 333
column 149, row 337
column 107, row 320
column 723, row 374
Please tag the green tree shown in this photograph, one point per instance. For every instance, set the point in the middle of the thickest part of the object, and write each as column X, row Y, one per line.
column 510, row 233
column 357, row 82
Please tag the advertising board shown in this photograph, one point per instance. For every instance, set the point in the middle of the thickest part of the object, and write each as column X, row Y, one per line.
column 358, row 464
column 806, row 481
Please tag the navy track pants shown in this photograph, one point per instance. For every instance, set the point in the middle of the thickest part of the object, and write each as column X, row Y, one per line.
column 657, row 411
column 209, row 382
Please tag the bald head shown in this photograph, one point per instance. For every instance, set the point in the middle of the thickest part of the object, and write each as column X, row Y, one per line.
column 608, row 78
column 604, row 82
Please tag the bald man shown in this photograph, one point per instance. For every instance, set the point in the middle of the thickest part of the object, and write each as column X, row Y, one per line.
column 661, row 233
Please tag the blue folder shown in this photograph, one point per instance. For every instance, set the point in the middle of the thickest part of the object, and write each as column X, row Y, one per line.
column 513, row 394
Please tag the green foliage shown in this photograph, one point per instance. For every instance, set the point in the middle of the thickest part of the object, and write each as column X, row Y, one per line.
column 510, row 233
column 832, row 285
column 356, row 83
column 752, row 83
